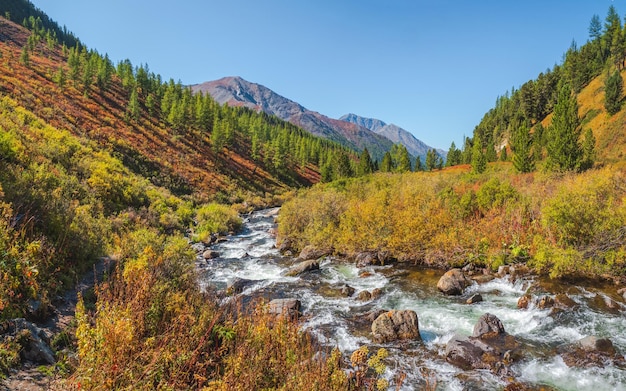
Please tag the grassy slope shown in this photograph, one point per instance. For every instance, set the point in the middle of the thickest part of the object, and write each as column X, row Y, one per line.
column 185, row 161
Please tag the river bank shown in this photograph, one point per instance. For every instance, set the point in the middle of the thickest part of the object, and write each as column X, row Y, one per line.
column 337, row 318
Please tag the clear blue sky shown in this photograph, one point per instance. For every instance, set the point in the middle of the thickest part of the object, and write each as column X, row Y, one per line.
column 432, row 67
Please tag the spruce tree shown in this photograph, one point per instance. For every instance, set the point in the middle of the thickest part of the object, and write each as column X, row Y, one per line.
column 523, row 159
column 387, row 164
column 431, row 160
column 454, row 156
column 479, row 161
column 613, row 88
column 366, row 166
column 564, row 151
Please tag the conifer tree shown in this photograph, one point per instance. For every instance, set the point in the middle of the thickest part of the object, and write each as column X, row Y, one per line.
column 479, row 161
column 613, row 88
column 387, row 164
column 134, row 110
column 504, row 155
column 366, row 166
column 454, row 156
column 564, row 152
column 418, row 164
column 24, row 56
column 523, row 159
column 400, row 158
column 431, row 159
column 60, row 78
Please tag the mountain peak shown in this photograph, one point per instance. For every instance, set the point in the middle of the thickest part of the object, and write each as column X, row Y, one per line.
column 235, row 91
column 372, row 124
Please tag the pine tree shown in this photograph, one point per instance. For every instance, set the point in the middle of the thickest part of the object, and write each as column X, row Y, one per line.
column 523, row 159
column 564, row 152
column 431, row 159
column 25, row 57
column 366, row 166
column 60, row 78
column 400, row 157
column 504, row 155
column 613, row 88
column 134, row 110
column 387, row 164
column 454, row 156
column 479, row 161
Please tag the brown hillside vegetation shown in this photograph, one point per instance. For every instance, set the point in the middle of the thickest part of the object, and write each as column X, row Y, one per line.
column 179, row 160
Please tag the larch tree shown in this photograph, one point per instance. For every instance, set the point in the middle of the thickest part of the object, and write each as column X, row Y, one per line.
column 523, row 158
column 564, row 151
column 613, row 88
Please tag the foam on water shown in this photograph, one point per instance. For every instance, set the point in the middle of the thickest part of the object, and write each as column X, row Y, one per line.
column 253, row 256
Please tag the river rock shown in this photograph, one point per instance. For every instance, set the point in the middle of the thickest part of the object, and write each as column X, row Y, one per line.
column 376, row 293
column 622, row 292
column 303, row 267
column 284, row 245
column 489, row 347
column 545, row 302
column 524, row 301
column 365, row 259
column 198, row 247
column 312, row 252
column 347, row 291
column 364, row 296
column 238, row 285
column 396, row 325
column 591, row 351
column 453, row 282
column 210, row 254
column 488, row 325
column 475, row 298
column 285, row 307
column 563, row 301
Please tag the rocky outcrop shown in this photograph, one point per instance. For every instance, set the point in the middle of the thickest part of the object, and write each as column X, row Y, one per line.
column 489, row 347
column 364, row 296
column 303, row 267
column 35, row 344
column 396, row 325
column 285, row 307
column 591, row 351
column 453, row 282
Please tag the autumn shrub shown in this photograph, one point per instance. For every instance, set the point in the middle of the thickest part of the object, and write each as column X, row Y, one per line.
column 215, row 218
column 269, row 353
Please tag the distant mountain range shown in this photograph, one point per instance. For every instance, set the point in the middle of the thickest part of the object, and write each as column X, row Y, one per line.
column 394, row 133
column 350, row 130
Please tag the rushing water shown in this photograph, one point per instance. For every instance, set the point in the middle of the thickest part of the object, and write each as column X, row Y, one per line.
column 333, row 318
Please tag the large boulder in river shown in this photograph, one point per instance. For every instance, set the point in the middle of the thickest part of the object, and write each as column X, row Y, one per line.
column 312, row 252
column 453, row 282
column 395, row 325
column 285, row 307
column 591, row 351
column 303, row 267
column 488, row 326
column 489, row 347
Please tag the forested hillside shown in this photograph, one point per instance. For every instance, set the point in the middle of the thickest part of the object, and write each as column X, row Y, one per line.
column 521, row 120
column 183, row 141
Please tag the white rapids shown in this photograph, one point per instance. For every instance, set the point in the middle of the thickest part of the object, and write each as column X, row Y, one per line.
column 330, row 317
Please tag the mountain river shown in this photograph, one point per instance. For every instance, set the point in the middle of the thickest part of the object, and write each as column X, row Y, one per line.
column 331, row 317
